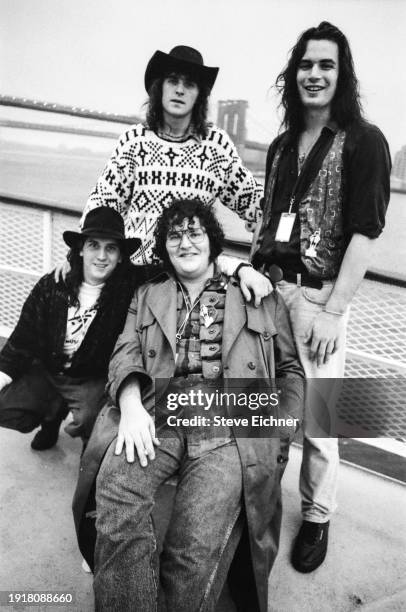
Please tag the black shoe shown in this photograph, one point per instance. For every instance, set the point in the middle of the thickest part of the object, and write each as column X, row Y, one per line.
column 310, row 548
column 47, row 436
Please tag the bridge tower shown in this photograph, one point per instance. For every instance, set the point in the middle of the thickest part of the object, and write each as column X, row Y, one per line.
column 231, row 117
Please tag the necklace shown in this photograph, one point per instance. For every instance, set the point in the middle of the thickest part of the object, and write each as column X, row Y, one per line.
column 189, row 309
column 304, row 151
column 168, row 135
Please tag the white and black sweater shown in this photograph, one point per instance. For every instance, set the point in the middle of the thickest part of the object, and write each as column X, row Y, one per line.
column 146, row 172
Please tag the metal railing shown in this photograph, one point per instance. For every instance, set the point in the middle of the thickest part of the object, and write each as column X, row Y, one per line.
column 31, row 245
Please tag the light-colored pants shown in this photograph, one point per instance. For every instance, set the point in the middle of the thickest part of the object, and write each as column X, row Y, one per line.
column 319, row 471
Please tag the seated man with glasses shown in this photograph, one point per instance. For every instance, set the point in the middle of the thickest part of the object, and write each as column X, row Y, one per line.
column 188, row 329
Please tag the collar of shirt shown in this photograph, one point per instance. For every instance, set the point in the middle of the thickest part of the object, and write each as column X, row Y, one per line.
column 189, row 134
column 331, row 127
column 291, row 141
column 218, row 280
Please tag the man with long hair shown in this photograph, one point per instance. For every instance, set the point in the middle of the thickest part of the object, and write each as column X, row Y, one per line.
column 327, row 190
column 56, row 359
column 177, row 154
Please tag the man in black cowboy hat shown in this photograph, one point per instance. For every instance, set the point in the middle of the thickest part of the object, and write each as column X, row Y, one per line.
column 56, row 359
column 176, row 154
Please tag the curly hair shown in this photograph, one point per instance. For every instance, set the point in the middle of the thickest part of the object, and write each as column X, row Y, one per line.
column 346, row 105
column 174, row 215
column 74, row 277
column 154, row 118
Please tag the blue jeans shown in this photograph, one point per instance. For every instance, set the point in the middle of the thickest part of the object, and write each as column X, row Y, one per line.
column 202, row 536
column 319, row 470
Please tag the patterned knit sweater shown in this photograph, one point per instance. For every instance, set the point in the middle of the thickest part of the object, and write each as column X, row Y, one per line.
column 145, row 173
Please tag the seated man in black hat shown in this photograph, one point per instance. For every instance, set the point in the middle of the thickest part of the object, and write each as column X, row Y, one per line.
column 56, row 359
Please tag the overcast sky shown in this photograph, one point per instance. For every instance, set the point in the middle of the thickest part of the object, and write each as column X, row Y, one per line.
column 93, row 53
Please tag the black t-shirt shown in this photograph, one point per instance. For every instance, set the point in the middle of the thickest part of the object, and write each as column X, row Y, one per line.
column 366, row 191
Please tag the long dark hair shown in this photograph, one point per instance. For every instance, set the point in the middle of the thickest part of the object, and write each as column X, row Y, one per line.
column 74, row 277
column 175, row 213
column 346, row 105
column 154, row 117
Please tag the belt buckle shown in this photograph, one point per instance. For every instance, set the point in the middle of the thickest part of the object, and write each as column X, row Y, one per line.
column 274, row 273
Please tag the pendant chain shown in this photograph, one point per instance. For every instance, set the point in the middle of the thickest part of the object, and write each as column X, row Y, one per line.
column 301, row 156
column 189, row 309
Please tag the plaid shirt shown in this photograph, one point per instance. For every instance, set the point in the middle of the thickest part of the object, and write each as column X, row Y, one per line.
column 199, row 359
column 201, row 333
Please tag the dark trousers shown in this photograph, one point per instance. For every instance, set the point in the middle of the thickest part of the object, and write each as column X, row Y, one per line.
column 38, row 397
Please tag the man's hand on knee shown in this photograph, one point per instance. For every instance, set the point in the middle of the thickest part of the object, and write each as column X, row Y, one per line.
column 137, row 429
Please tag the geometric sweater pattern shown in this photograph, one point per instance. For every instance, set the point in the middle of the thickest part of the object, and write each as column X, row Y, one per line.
column 145, row 173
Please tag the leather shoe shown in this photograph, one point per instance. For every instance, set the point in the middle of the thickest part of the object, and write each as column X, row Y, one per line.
column 47, row 436
column 310, row 548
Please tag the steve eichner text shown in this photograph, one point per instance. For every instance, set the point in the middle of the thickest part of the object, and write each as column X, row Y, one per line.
column 256, row 420
column 206, row 401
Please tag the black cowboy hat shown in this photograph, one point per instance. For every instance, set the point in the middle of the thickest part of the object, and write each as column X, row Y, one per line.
column 103, row 222
column 181, row 60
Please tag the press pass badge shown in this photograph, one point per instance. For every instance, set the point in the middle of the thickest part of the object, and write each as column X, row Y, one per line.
column 285, row 227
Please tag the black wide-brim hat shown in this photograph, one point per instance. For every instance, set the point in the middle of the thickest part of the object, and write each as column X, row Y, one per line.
column 103, row 222
column 181, row 60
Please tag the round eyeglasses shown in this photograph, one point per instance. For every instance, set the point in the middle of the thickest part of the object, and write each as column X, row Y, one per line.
column 194, row 234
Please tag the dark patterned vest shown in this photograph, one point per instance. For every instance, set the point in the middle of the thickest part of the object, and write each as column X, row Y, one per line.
column 321, row 208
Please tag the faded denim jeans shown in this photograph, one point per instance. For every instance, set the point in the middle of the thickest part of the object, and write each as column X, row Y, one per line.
column 201, row 538
column 320, row 461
